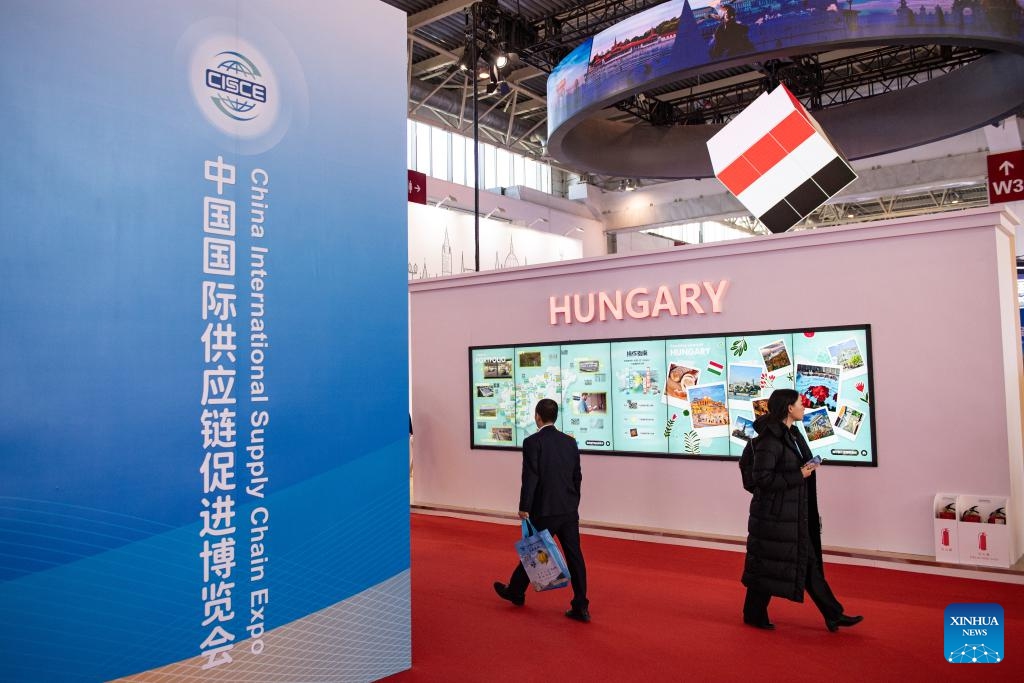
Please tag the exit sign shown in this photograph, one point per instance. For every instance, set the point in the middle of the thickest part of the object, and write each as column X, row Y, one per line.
column 1006, row 177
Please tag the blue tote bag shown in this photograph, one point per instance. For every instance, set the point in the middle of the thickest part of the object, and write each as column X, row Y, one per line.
column 542, row 559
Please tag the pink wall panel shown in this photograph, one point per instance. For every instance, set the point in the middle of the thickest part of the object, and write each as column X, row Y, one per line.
column 930, row 289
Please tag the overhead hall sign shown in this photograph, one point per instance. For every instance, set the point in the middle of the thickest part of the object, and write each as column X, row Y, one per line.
column 1006, row 177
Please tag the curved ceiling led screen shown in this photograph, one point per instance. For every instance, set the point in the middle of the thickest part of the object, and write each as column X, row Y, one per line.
column 681, row 38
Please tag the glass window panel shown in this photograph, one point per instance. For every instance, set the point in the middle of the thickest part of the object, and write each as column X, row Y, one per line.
column 490, row 175
column 439, row 153
column 469, row 162
column 422, row 148
column 518, row 169
column 410, row 143
column 504, row 168
column 459, row 160
column 532, row 178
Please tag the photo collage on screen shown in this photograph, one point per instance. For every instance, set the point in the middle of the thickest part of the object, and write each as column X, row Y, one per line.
column 679, row 397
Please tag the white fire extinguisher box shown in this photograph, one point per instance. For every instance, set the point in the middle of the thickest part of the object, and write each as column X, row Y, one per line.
column 983, row 530
column 946, row 536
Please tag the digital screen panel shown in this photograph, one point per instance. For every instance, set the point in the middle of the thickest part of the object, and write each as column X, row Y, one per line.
column 680, row 397
column 638, row 412
column 586, row 388
column 686, row 35
column 494, row 397
column 538, row 374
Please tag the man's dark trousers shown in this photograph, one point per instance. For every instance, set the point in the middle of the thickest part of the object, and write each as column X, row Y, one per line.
column 566, row 528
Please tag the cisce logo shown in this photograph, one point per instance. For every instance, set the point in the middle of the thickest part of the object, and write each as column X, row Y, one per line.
column 974, row 633
column 236, row 82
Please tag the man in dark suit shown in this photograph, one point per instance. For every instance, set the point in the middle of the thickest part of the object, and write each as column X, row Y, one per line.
column 550, row 498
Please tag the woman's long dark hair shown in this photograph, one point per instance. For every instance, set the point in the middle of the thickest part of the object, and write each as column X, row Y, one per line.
column 780, row 401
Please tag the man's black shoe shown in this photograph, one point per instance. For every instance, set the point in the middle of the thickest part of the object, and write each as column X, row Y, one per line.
column 502, row 591
column 843, row 620
column 766, row 625
column 579, row 615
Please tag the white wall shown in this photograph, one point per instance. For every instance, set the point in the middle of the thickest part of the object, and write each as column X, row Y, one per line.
column 947, row 404
column 441, row 242
column 559, row 215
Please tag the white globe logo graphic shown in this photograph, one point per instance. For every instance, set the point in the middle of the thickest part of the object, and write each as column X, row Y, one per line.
column 235, row 87
column 233, row 98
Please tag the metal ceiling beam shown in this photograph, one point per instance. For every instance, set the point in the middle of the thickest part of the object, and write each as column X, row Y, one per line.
column 448, row 102
column 524, row 74
column 436, row 63
column 436, row 13
column 443, row 51
column 828, row 84
column 509, row 128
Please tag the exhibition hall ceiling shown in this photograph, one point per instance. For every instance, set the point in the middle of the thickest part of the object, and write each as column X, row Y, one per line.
column 537, row 34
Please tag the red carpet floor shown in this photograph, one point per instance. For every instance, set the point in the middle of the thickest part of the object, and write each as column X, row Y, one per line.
column 670, row 613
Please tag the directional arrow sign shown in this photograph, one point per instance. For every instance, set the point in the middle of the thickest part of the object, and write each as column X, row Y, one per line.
column 417, row 187
column 1006, row 177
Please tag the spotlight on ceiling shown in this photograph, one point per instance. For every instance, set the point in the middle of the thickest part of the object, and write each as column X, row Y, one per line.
column 537, row 220
column 446, row 198
column 571, row 230
column 493, row 211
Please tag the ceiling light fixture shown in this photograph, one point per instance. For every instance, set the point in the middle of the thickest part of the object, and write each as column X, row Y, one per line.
column 499, row 57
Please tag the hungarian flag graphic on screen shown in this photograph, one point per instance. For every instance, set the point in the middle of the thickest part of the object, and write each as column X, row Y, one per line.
column 778, row 161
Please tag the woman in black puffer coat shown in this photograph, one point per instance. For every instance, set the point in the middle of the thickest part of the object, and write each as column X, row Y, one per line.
column 784, row 536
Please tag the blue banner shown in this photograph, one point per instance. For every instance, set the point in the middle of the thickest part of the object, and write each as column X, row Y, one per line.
column 202, row 238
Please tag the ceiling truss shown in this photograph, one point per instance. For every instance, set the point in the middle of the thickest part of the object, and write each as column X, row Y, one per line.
column 539, row 33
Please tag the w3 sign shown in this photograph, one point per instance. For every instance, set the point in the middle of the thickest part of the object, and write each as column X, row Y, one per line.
column 1006, row 177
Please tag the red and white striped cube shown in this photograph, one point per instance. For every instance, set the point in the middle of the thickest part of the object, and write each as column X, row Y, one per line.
column 778, row 161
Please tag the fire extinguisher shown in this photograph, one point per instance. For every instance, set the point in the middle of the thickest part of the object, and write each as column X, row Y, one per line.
column 982, row 541
column 998, row 516
column 945, row 537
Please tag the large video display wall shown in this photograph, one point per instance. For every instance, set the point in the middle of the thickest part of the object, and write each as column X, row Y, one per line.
column 679, row 397
column 680, row 35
